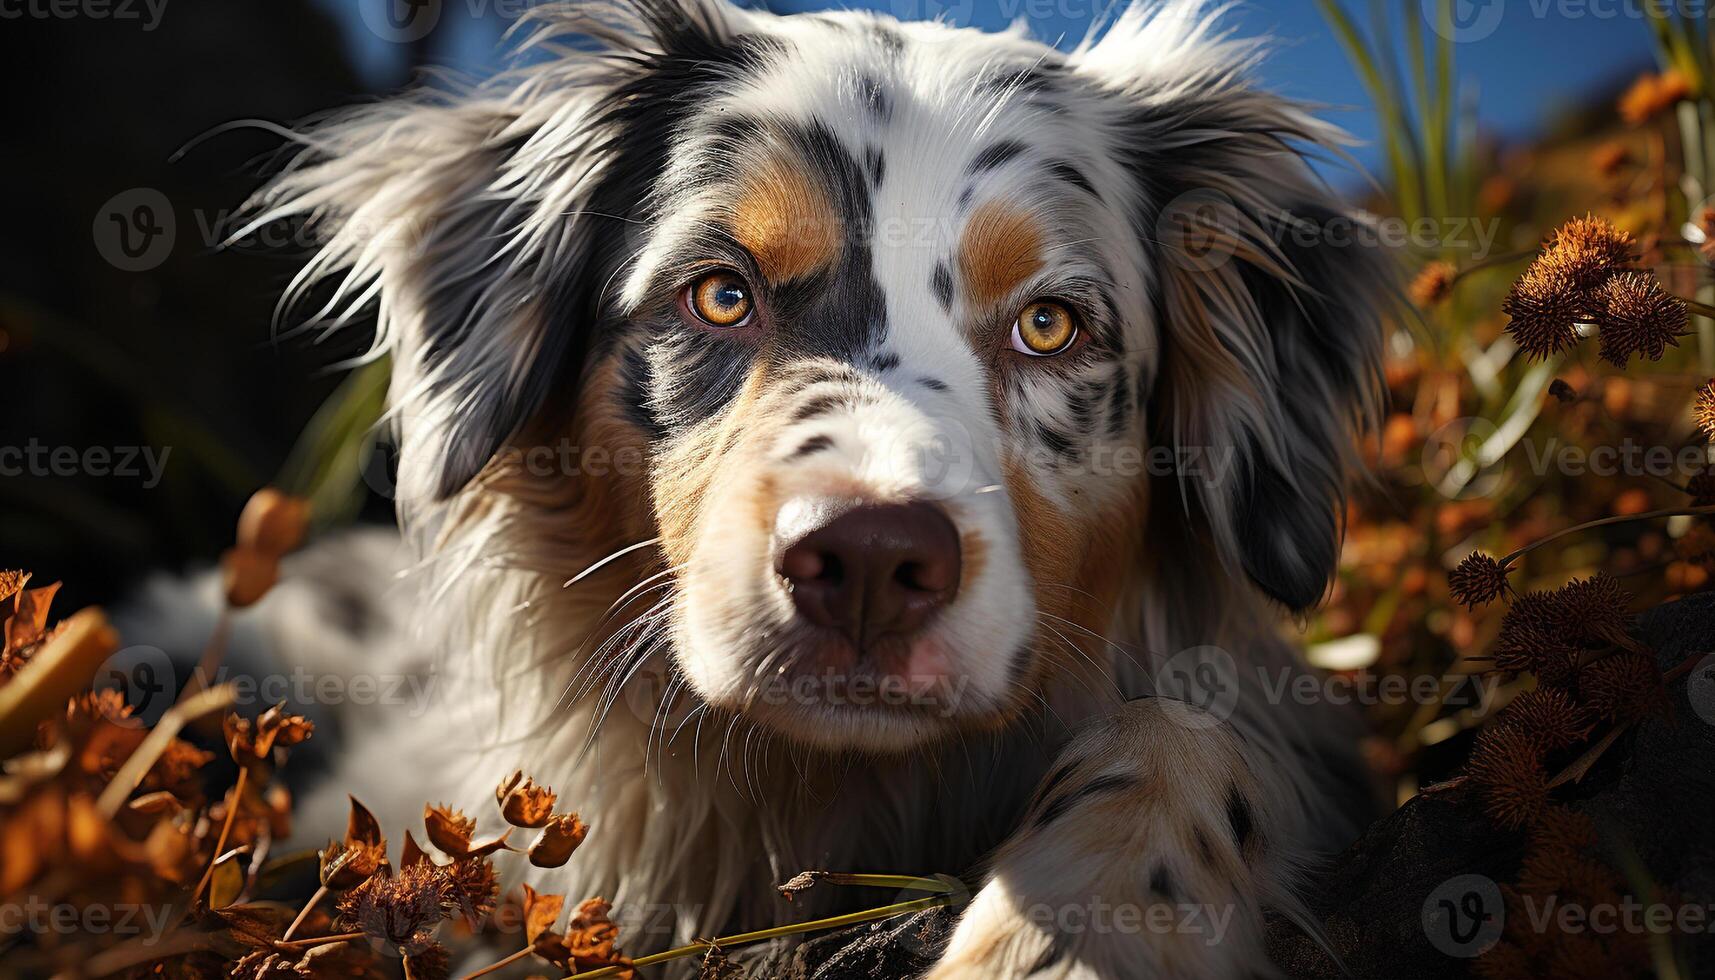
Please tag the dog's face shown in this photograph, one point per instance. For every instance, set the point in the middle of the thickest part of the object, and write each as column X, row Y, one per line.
column 904, row 321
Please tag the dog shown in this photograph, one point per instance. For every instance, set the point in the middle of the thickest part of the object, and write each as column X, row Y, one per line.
column 831, row 442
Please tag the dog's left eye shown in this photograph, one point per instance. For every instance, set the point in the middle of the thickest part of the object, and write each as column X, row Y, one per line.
column 1044, row 328
column 720, row 299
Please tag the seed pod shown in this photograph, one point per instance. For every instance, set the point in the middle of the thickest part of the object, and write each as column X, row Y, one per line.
column 273, row 522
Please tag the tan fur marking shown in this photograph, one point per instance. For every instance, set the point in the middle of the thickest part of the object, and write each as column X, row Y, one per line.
column 786, row 221
column 1000, row 250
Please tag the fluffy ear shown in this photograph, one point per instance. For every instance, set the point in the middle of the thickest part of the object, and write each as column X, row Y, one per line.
column 481, row 223
column 1267, row 299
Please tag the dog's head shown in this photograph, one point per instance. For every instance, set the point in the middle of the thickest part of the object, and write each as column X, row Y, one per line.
column 933, row 344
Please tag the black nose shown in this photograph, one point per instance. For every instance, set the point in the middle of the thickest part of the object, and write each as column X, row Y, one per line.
column 873, row 570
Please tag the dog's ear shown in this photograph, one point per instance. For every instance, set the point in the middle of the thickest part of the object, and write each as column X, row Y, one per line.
column 1268, row 298
column 481, row 223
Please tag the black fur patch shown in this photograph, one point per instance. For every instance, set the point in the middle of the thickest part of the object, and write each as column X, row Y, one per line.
column 1239, row 817
column 996, row 155
column 942, row 283
column 811, row 446
column 1065, row 171
column 933, row 384
column 1161, row 882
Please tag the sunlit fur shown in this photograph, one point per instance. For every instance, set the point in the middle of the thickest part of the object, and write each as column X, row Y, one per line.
column 613, row 629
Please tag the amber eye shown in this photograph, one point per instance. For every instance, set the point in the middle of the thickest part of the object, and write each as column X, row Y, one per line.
column 1044, row 327
column 720, row 299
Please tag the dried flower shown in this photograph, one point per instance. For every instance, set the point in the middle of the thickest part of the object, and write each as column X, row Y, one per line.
column 363, row 852
column 559, row 838
column 400, row 909
column 247, row 575
column 1705, row 409
column 1563, row 831
column 1652, row 95
column 1589, row 249
column 1637, row 316
column 1593, row 611
column 1548, row 715
column 1477, row 580
column 275, row 728
column 1622, row 687
column 523, row 803
column 1507, row 767
column 273, row 522
column 1544, row 306
column 1433, row 284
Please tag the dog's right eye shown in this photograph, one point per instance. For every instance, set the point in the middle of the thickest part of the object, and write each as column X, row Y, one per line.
column 720, row 299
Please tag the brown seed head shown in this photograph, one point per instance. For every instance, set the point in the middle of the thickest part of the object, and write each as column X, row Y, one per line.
column 1477, row 580
column 1637, row 316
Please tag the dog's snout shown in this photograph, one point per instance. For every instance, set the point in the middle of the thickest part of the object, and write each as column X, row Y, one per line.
column 873, row 570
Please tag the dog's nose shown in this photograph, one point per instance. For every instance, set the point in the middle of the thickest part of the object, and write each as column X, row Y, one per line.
column 873, row 570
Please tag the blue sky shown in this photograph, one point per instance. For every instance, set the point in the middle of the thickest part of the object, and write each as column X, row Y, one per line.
column 1522, row 60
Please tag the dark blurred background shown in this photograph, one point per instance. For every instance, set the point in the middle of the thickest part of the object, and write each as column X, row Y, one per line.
column 144, row 395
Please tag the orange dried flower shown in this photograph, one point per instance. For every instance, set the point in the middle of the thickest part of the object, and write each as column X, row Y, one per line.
column 1652, row 95
column 559, row 838
column 1637, row 316
column 1507, row 767
column 1477, row 580
column 523, row 803
column 273, row 522
column 1589, row 250
column 1704, row 412
column 247, row 575
column 450, row 830
column 1433, row 284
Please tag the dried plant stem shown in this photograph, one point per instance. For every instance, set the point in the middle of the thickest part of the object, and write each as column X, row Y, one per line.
column 1603, row 521
column 835, row 922
column 237, row 794
column 171, row 723
column 916, row 883
column 304, row 913
column 212, row 654
column 299, row 945
column 1581, row 765
column 501, row 964
column 1696, row 307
